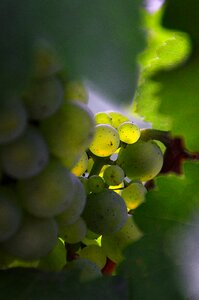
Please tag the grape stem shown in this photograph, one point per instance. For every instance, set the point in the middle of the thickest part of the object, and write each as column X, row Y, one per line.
column 154, row 134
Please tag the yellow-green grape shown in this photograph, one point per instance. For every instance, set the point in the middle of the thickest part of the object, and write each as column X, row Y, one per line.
column 26, row 156
column 44, row 98
column 85, row 269
column 134, row 194
column 102, row 118
column 72, row 213
column 81, row 166
column 117, row 118
column 10, row 214
column 95, row 184
column 90, row 164
column 55, row 260
column 95, row 254
column 73, row 233
column 35, row 238
column 113, row 245
column 141, row 161
column 75, row 90
column 13, row 118
column 106, row 140
column 69, row 132
column 129, row 133
column 48, row 193
column 113, row 175
column 105, row 212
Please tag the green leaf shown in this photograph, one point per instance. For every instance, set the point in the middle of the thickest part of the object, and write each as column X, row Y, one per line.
column 96, row 41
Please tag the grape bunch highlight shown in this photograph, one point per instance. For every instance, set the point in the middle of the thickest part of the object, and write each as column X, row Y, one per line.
column 69, row 180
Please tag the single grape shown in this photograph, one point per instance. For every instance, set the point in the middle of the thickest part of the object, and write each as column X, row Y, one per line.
column 81, row 166
column 95, row 184
column 129, row 133
column 102, row 118
column 26, row 156
column 95, row 254
column 84, row 268
column 141, row 160
column 75, row 90
column 72, row 213
column 44, row 98
column 134, row 194
column 73, row 233
column 10, row 214
column 48, row 193
column 105, row 212
column 113, row 245
column 106, row 140
column 34, row 239
column 113, row 175
column 69, row 132
column 13, row 118
column 117, row 118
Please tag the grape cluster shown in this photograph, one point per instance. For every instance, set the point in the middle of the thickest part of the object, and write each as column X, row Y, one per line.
column 69, row 181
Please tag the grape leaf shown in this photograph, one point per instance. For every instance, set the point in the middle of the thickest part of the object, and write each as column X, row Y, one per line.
column 96, row 41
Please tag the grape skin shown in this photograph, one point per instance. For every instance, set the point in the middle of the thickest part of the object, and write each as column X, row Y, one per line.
column 113, row 175
column 117, row 118
column 75, row 90
column 26, row 156
column 102, row 118
column 81, row 166
column 75, row 232
column 129, row 133
column 95, row 184
column 134, row 194
column 106, row 140
column 95, row 254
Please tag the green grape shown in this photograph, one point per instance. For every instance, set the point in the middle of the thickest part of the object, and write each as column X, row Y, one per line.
column 26, row 156
column 134, row 194
column 113, row 245
column 75, row 90
column 105, row 212
column 113, row 175
column 81, row 166
column 117, row 118
column 95, row 254
column 84, row 268
column 13, row 118
column 69, row 132
column 141, row 161
column 95, row 184
column 102, row 118
column 44, row 98
column 55, row 260
column 34, row 239
column 84, row 181
column 129, row 133
column 106, row 140
column 72, row 213
column 90, row 164
column 48, row 193
column 73, row 233
column 10, row 214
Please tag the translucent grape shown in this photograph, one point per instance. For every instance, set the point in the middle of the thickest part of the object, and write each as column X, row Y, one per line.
column 85, row 269
column 44, row 98
column 105, row 212
column 71, row 214
column 134, row 194
column 13, row 118
column 95, row 184
column 117, row 118
column 102, row 118
column 113, row 175
column 106, row 140
column 113, row 245
column 81, row 166
column 129, row 133
column 141, row 160
column 26, row 156
column 69, row 132
column 34, row 239
column 75, row 90
column 10, row 214
column 48, row 193
column 73, row 233
column 95, row 254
